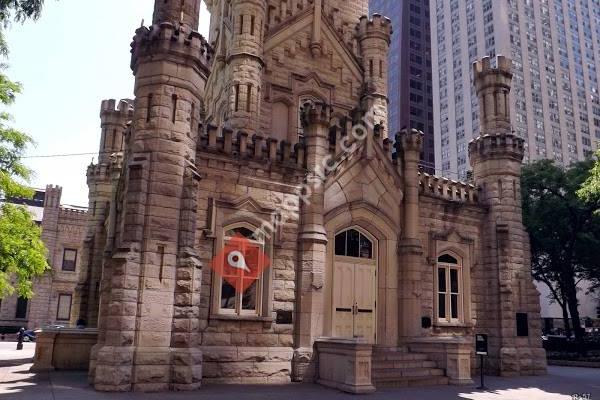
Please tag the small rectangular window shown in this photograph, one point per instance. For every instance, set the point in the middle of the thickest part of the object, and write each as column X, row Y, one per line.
column 63, row 309
column 21, row 312
column 69, row 262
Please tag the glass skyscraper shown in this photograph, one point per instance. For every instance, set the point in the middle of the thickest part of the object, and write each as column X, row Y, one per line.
column 410, row 81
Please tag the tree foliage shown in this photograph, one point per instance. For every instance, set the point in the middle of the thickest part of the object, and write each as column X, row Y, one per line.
column 22, row 252
column 590, row 189
column 564, row 231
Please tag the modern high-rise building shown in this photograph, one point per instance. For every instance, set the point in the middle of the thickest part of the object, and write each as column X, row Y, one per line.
column 409, row 79
column 555, row 48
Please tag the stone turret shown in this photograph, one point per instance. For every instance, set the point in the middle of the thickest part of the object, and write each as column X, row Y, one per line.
column 374, row 36
column 185, row 12
column 410, row 249
column 509, row 295
column 148, row 331
column 312, row 239
column 114, row 119
column 493, row 87
column 245, row 61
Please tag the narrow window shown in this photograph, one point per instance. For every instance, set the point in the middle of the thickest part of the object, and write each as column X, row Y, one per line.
column 21, row 312
column 114, row 139
column 252, row 19
column 174, row 113
column 371, row 67
column 161, row 253
column 104, row 139
column 192, row 115
column 69, row 262
column 449, row 293
column 237, row 97
column 241, row 24
column 381, row 68
column 248, row 97
column 63, row 309
column 149, row 108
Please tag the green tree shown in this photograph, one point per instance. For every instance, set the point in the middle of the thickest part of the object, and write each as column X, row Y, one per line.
column 22, row 252
column 590, row 189
column 564, row 231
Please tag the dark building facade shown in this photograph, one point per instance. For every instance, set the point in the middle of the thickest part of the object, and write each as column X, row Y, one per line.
column 409, row 78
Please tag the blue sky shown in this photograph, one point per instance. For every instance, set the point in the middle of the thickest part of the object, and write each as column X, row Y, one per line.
column 74, row 56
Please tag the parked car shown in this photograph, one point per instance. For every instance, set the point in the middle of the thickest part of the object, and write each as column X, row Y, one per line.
column 28, row 336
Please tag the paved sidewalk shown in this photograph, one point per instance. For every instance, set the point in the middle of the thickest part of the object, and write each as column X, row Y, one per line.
column 16, row 383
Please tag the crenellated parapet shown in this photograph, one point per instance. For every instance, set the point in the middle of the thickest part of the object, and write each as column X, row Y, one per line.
column 376, row 27
column 503, row 146
column 242, row 146
column 410, row 140
column 316, row 113
column 448, row 189
column 171, row 41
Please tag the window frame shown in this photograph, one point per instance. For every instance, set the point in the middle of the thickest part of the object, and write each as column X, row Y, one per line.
column 61, row 295
column 448, row 293
column 17, row 308
column 262, row 294
column 63, row 268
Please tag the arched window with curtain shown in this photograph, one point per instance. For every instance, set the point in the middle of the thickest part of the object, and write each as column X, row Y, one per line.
column 449, row 289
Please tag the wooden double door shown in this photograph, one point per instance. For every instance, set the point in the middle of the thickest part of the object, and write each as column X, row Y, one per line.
column 354, row 298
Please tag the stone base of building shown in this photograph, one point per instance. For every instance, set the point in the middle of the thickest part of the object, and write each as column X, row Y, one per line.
column 522, row 361
column 147, row 369
column 63, row 349
column 251, row 365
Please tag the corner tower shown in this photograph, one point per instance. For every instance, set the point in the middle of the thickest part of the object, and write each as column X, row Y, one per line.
column 496, row 156
column 148, row 336
column 245, row 61
column 374, row 37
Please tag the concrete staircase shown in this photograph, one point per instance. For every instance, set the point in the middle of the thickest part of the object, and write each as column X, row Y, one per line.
column 397, row 367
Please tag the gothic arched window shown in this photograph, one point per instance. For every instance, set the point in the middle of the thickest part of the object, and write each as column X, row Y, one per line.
column 352, row 243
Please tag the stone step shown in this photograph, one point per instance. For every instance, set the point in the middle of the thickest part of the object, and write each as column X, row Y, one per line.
column 379, row 365
column 405, row 373
column 398, row 356
column 410, row 381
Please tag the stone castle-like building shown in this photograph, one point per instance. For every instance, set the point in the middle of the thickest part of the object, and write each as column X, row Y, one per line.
column 275, row 124
column 63, row 232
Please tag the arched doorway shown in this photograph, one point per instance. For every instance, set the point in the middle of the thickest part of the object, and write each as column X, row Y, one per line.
column 354, row 285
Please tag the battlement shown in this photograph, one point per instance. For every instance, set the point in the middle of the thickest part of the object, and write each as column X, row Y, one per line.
column 377, row 26
column 410, row 139
column 52, row 196
column 257, row 148
column 123, row 109
column 506, row 145
column 484, row 67
column 315, row 113
column 73, row 211
column 177, row 41
column 447, row 189
column 104, row 171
